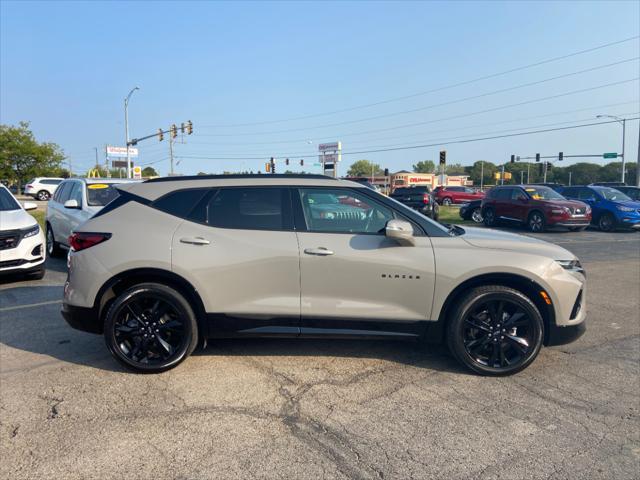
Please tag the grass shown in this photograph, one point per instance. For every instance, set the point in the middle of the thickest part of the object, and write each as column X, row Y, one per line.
column 452, row 215
column 39, row 216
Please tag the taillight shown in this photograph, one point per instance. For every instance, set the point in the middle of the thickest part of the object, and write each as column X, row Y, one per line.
column 425, row 198
column 28, row 186
column 83, row 240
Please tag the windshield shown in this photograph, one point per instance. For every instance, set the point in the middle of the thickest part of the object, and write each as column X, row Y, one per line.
column 99, row 194
column 543, row 193
column 613, row 194
column 7, row 202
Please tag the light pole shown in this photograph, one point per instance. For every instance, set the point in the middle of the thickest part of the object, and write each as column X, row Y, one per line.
column 623, row 122
column 126, row 127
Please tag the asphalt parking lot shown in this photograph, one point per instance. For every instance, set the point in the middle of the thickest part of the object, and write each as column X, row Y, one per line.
column 318, row 409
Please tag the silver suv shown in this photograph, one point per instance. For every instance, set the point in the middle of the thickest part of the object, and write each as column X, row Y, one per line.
column 174, row 261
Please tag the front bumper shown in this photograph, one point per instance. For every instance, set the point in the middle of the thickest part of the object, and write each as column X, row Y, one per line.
column 563, row 335
column 571, row 224
column 28, row 256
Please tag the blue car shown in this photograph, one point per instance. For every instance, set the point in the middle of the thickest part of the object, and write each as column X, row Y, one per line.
column 611, row 208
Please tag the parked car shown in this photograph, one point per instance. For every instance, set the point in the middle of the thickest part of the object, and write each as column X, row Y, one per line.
column 75, row 201
column 454, row 195
column 632, row 192
column 176, row 260
column 472, row 211
column 21, row 239
column 612, row 209
column 419, row 198
column 42, row 188
column 534, row 206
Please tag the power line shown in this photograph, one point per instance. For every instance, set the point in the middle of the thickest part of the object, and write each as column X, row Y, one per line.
column 438, row 89
column 413, row 147
column 479, row 112
column 442, row 104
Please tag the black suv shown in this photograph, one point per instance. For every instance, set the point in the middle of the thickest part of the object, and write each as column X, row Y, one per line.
column 419, row 198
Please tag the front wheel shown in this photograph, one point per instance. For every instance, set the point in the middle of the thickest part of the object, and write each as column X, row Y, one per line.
column 495, row 330
column 489, row 217
column 447, row 201
column 606, row 222
column 53, row 248
column 535, row 222
column 476, row 215
column 150, row 328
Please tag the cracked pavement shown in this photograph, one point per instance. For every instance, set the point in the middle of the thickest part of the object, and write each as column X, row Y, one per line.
column 273, row 408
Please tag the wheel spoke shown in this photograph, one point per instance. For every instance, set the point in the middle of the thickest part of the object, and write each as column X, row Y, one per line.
column 477, row 325
column 478, row 342
column 164, row 344
column 518, row 319
column 494, row 354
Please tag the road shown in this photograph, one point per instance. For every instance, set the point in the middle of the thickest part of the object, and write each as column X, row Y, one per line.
column 317, row 409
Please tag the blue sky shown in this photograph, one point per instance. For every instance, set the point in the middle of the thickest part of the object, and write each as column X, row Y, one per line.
column 234, row 67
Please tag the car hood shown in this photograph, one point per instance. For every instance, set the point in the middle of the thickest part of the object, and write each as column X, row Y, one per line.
column 499, row 240
column 564, row 203
column 15, row 219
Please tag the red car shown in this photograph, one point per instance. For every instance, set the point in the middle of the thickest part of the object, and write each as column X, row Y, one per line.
column 451, row 195
column 535, row 206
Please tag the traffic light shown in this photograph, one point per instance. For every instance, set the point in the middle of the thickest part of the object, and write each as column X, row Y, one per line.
column 386, row 172
column 302, row 162
column 267, row 167
column 443, row 157
column 189, row 127
column 273, row 166
column 560, row 156
column 513, row 158
column 286, row 162
column 537, row 157
column 182, row 128
column 173, row 131
column 160, row 135
column 549, row 166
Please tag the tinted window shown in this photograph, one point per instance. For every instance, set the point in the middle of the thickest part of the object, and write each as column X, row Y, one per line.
column 517, row 194
column 62, row 192
column 181, row 202
column 6, row 201
column 49, row 181
column 410, row 190
column 76, row 193
column 501, row 193
column 250, row 209
column 99, row 194
column 351, row 212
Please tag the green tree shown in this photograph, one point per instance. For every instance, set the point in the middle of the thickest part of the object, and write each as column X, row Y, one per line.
column 149, row 172
column 455, row 169
column 364, row 168
column 22, row 156
column 484, row 169
column 424, row 166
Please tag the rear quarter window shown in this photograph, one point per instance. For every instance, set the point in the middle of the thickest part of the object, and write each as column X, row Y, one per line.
column 181, row 202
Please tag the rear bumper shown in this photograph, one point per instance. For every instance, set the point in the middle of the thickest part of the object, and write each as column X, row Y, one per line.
column 82, row 318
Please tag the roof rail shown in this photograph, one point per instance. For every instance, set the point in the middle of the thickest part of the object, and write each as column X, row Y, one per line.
column 238, row 175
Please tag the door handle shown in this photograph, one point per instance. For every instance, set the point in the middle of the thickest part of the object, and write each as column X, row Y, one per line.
column 195, row 240
column 321, row 251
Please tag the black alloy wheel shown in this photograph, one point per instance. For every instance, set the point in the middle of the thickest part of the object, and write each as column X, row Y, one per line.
column 606, row 222
column 489, row 217
column 150, row 328
column 495, row 331
column 476, row 215
column 536, row 222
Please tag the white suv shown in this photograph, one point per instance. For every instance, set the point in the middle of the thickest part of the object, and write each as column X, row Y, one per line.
column 21, row 239
column 173, row 261
column 75, row 201
column 42, row 188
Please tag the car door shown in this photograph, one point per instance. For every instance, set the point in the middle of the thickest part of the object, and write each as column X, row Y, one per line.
column 353, row 278
column 71, row 217
column 239, row 250
column 502, row 203
column 519, row 204
column 55, row 209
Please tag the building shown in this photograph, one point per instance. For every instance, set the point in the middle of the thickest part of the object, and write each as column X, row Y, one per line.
column 404, row 178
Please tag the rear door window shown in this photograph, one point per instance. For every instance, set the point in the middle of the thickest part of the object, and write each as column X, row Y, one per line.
column 250, row 209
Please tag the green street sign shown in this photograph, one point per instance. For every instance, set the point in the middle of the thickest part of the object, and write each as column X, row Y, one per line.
column 610, row 155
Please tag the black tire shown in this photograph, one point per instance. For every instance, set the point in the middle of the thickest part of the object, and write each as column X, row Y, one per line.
column 53, row 247
column 477, row 337
column 150, row 328
column 43, row 195
column 447, row 201
column 489, row 217
column 476, row 215
column 606, row 222
column 577, row 229
column 536, row 222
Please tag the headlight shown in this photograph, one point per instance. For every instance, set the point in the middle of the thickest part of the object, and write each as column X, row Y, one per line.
column 31, row 231
column 624, row 209
column 558, row 211
column 571, row 265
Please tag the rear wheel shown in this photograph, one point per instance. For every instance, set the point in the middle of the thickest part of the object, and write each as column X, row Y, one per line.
column 606, row 222
column 150, row 328
column 447, row 201
column 476, row 215
column 489, row 217
column 535, row 222
column 43, row 195
column 53, row 247
column 495, row 330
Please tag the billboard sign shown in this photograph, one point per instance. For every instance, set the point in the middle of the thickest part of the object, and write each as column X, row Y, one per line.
column 121, row 152
column 137, row 172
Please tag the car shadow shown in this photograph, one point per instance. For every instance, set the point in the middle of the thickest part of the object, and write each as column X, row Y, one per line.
column 30, row 321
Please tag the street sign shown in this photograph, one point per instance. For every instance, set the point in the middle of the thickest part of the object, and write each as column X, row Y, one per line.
column 610, row 155
column 330, row 147
column 137, row 172
column 121, row 152
column 119, row 164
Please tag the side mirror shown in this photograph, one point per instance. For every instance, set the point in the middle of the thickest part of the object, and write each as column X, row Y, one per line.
column 401, row 232
column 71, row 204
column 29, row 206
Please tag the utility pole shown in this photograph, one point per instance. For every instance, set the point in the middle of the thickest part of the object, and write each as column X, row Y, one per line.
column 521, row 177
column 481, row 173
column 528, row 171
column 126, row 127
column 624, row 128
column 502, row 175
column 96, row 149
column 171, row 152
column 106, row 162
column 569, row 178
column 545, row 172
